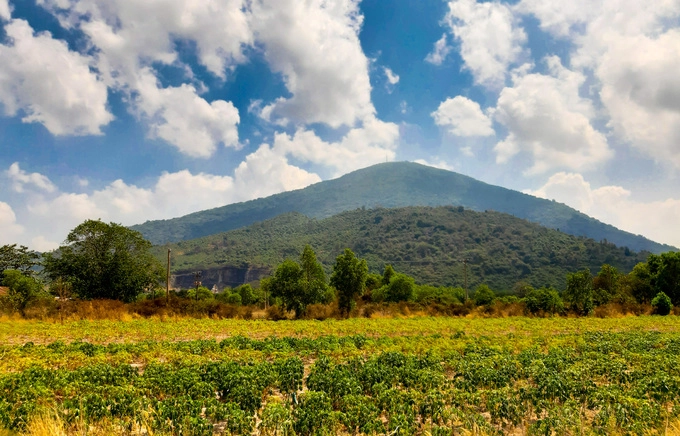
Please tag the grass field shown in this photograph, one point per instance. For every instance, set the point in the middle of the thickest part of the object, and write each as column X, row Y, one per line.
column 429, row 376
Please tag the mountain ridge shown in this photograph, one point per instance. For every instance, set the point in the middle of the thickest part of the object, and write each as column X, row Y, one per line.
column 394, row 184
column 428, row 243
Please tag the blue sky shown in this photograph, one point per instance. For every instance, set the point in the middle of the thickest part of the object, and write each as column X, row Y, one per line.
column 130, row 111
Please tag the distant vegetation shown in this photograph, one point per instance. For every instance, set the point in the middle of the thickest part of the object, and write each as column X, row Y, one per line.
column 426, row 243
column 391, row 185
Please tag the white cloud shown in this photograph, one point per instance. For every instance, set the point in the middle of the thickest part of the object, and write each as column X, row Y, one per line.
column 50, row 217
column 633, row 50
column 130, row 33
column 462, row 117
column 548, row 119
column 490, row 38
column 182, row 118
column 9, row 229
column 436, row 163
column 392, row 78
column 440, row 51
column 50, row 84
column 657, row 220
column 372, row 143
column 315, row 46
column 20, row 178
column 5, row 13
column 129, row 36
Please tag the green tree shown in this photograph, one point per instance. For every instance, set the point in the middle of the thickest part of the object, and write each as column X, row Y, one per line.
column 579, row 292
column 349, row 278
column 401, row 288
column 665, row 274
column 662, row 304
column 21, row 259
column 545, row 300
column 639, row 283
column 105, row 261
column 247, row 294
column 388, row 273
column 606, row 285
column 22, row 289
column 313, row 281
column 299, row 284
column 483, row 295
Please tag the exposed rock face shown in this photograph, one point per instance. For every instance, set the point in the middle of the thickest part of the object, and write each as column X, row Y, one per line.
column 231, row 276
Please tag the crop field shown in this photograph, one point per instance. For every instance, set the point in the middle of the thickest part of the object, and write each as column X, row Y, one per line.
column 425, row 376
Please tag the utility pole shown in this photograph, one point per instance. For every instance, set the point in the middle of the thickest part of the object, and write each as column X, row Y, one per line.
column 465, row 262
column 167, row 284
column 197, row 282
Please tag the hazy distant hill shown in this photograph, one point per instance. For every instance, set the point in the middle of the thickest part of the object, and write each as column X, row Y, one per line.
column 425, row 242
column 396, row 184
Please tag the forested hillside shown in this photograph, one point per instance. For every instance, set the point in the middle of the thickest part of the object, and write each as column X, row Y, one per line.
column 395, row 184
column 427, row 243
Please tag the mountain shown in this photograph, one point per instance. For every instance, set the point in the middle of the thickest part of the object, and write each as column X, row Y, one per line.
column 395, row 184
column 427, row 243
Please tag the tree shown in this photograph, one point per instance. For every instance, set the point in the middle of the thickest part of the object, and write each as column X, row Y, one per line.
column 105, row 261
column 665, row 274
column 299, row 285
column 662, row 304
column 579, row 292
column 545, row 300
column 21, row 259
column 349, row 278
column 483, row 295
column 22, row 289
column 605, row 285
column 401, row 288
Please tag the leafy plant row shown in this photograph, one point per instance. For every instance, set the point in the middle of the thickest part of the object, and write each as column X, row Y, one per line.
column 626, row 382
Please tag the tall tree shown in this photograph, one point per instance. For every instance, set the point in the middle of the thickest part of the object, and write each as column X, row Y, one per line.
column 18, row 258
column 665, row 272
column 299, row 284
column 579, row 292
column 349, row 278
column 105, row 261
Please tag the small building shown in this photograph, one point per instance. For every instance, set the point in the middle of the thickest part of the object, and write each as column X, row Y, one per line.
column 214, row 289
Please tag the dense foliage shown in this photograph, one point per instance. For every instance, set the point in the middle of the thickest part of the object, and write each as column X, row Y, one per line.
column 586, row 380
column 396, row 184
column 425, row 243
column 19, row 258
column 102, row 260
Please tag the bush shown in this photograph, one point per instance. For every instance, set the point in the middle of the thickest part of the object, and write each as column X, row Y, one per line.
column 545, row 300
column 662, row 304
column 483, row 295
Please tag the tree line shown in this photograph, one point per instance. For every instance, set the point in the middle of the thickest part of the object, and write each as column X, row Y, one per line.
column 109, row 261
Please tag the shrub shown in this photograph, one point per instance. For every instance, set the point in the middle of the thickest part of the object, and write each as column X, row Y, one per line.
column 483, row 295
column 662, row 304
column 545, row 300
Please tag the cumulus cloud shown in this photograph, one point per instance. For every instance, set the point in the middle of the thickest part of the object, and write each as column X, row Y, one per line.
column 633, row 51
column 315, row 46
column 50, row 84
column 657, row 220
column 50, row 217
column 440, row 51
column 548, row 119
column 20, row 178
column 130, row 32
column 9, row 229
column 5, row 13
column 374, row 142
column 490, row 38
column 128, row 37
column 462, row 117
column 436, row 163
column 184, row 119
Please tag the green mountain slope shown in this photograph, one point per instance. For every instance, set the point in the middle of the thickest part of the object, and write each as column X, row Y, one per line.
column 427, row 243
column 396, row 184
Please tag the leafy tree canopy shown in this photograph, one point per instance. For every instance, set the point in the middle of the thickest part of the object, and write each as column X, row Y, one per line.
column 349, row 278
column 299, row 284
column 22, row 289
column 18, row 258
column 105, row 261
